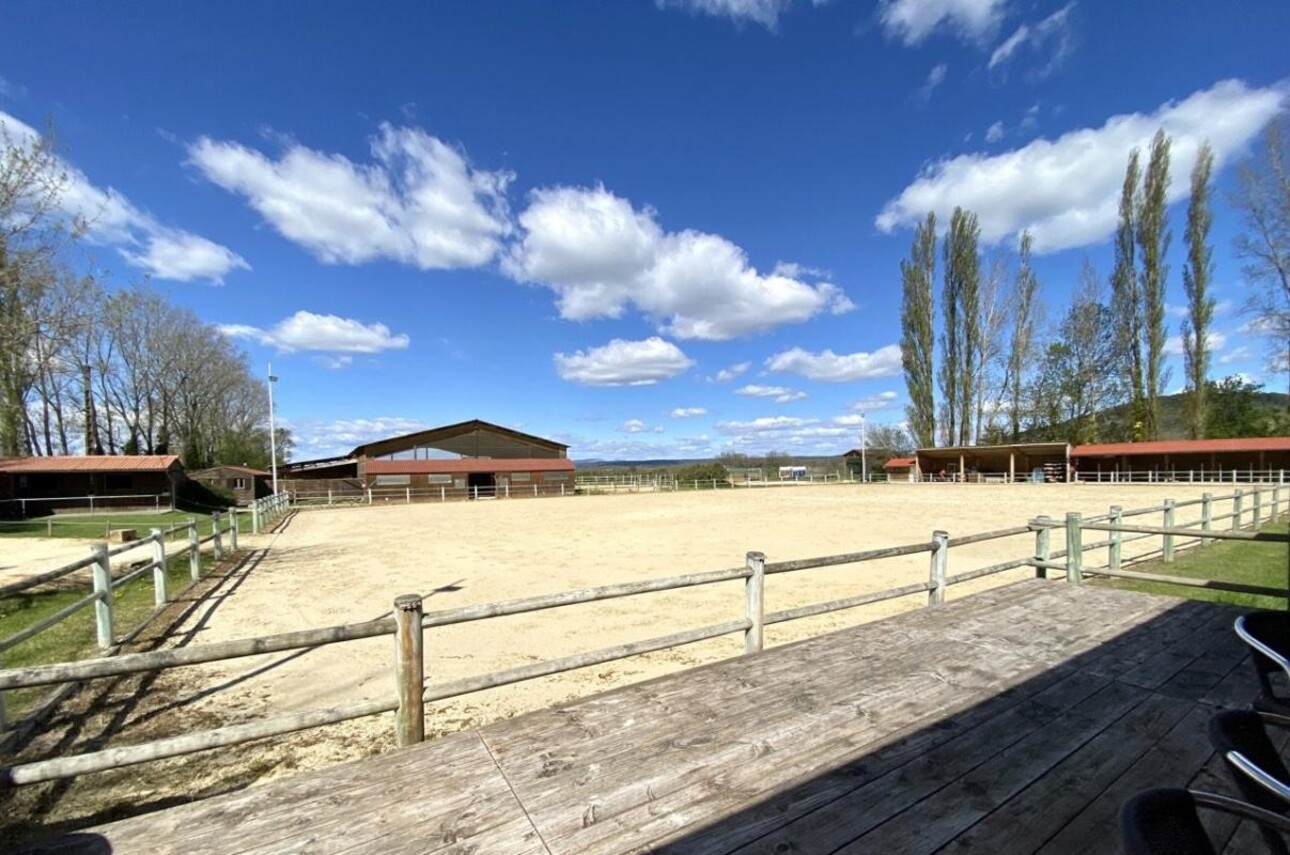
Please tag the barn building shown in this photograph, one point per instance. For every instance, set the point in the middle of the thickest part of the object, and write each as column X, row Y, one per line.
column 244, row 483
column 1027, row 461
column 1263, row 458
column 473, row 459
column 38, row 485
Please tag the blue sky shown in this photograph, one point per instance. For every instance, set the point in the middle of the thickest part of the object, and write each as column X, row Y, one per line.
column 646, row 228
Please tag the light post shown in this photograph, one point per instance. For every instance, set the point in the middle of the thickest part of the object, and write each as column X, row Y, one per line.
column 273, row 433
column 864, row 456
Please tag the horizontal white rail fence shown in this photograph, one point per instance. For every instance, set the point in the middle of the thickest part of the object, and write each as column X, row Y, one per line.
column 267, row 511
column 408, row 622
column 160, row 547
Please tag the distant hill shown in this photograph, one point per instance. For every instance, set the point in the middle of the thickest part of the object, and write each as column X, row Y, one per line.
column 1173, row 416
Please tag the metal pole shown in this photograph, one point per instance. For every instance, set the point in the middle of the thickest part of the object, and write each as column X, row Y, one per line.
column 273, row 433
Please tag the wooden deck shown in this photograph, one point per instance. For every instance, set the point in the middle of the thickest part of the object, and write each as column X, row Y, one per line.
column 1015, row 720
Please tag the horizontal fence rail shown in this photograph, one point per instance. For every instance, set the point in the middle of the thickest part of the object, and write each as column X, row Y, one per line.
column 407, row 622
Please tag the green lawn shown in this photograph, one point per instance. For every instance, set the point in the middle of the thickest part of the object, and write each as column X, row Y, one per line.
column 98, row 525
column 1266, row 564
column 75, row 637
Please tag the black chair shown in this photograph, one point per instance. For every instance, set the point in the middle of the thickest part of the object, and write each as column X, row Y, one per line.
column 1167, row 822
column 1257, row 768
column 1268, row 636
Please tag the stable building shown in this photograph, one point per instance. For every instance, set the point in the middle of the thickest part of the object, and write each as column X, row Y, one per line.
column 40, row 485
column 1035, row 462
column 474, row 459
column 1246, row 459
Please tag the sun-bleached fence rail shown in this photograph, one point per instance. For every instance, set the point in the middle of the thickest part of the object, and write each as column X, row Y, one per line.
column 408, row 623
column 102, row 503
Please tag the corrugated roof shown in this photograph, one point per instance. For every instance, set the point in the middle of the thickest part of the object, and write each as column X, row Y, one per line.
column 899, row 463
column 467, row 465
column 81, row 463
column 245, row 470
column 1184, row 446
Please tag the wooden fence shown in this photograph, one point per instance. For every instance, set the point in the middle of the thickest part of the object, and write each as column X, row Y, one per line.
column 160, row 549
column 408, row 623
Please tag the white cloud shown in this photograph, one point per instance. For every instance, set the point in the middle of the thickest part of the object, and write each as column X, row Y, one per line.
column 11, row 90
column 1051, row 35
column 935, row 78
column 781, row 394
column 329, row 333
column 764, row 12
column 419, row 202
column 765, row 423
column 623, row 363
column 600, row 255
column 321, row 438
column 634, row 426
column 110, row 219
column 725, row 375
column 912, row 21
column 875, row 402
column 1236, row 354
column 995, row 132
column 689, row 412
column 838, row 368
column 1066, row 190
column 334, row 362
column 1174, row 344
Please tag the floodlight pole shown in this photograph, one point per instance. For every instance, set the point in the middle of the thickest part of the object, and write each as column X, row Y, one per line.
column 864, row 456
column 273, row 433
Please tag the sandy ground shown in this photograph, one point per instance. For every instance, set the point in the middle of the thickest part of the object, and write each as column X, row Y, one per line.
column 346, row 565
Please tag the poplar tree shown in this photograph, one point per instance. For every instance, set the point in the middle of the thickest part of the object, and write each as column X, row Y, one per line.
column 917, row 337
column 1126, row 302
column 1153, row 245
column 1196, row 279
column 1021, row 346
column 961, row 335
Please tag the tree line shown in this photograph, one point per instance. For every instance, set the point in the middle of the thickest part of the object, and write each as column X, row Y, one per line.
column 86, row 367
column 975, row 368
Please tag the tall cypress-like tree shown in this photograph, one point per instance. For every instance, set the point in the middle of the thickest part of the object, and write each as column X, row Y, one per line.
column 917, row 338
column 1153, row 245
column 1023, row 334
column 1200, row 306
column 961, row 331
column 1126, row 302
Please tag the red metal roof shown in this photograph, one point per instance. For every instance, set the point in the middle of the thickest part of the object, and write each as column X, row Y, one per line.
column 246, row 470
column 899, row 463
column 467, row 465
column 1184, row 446
column 81, row 463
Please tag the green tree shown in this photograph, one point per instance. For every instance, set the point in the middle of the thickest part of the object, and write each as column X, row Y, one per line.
column 1126, row 301
column 961, row 325
column 1235, row 409
column 1021, row 345
column 1153, row 245
column 1197, row 274
column 917, row 337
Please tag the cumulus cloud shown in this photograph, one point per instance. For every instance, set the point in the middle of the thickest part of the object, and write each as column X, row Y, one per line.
column 778, row 432
column 601, row 255
column 328, row 438
column 1052, row 37
column 912, row 21
column 110, row 219
column 1174, row 344
column 689, row 412
column 838, row 368
column 329, row 333
column 419, row 201
column 623, row 363
column 781, row 394
column 875, row 402
column 1236, row 354
column 725, row 375
column 935, row 78
column 1066, row 190
column 764, row 12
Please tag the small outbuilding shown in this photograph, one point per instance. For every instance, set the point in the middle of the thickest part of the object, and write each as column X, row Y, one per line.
column 246, row 484
column 38, row 485
column 901, row 469
column 1003, row 464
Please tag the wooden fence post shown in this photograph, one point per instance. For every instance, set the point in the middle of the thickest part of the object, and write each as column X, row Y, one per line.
column 1043, row 548
column 255, row 517
column 219, row 544
column 194, row 550
column 1276, row 502
column 1258, row 506
column 1114, row 551
column 755, row 602
column 1074, row 549
column 1206, row 514
column 409, row 651
column 102, row 571
column 1236, row 509
column 232, row 530
column 1167, row 546
column 158, row 568
column 940, row 561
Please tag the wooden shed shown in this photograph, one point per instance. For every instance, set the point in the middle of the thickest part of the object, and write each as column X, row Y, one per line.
column 246, row 484
column 36, row 485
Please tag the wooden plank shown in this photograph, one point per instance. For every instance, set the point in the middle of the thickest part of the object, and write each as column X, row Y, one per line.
column 935, row 821
column 839, row 822
column 1171, row 762
column 1156, row 670
column 1201, row 675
